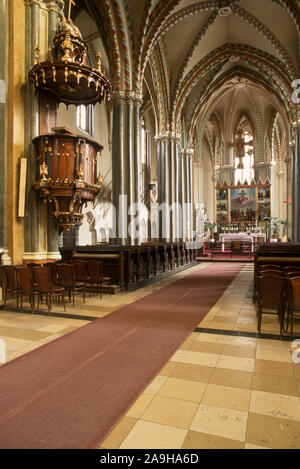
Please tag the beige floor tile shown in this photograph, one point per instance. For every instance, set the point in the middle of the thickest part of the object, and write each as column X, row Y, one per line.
column 270, row 432
column 235, row 363
column 227, row 397
column 273, row 354
column 221, row 422
column 119, row 433
column 243, row 351
column 149, row 435
column 183, row 389
column 273, row 368
column 275, row 405
column 187, row 345
column 155, row 386
column 197, row 358
column 214, row 338
column 138, row 408
column 232, row 378
column 196, row 440
column 275, row 384
column 192, row 372
column 178, row 356
column 168, row 368
column 296, row 370
column 173, row 412
column 223, row 325
column 277, row 344
column 245, row 328
column 207, row 347
column 24, row 334
column 242, row 341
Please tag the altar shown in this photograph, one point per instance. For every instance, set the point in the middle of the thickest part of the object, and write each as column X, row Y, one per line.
column 250, row 239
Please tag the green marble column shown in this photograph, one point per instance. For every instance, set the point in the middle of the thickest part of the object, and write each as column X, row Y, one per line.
column 118, row 171
column 31, row 221
column 296, row 188
column 137, row 102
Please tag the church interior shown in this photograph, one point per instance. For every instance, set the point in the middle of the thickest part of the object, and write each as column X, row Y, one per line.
column 150, row 224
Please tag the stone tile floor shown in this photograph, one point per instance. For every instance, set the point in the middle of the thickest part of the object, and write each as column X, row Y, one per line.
column 219, row 390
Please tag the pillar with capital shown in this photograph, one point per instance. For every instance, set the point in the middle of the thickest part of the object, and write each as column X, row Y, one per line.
column 289, row 186
column 296, row 183
column 126, row 167
column 41, row 20
column 170, row 186
column 162, row 142
column 187, row 180
column 3, row 127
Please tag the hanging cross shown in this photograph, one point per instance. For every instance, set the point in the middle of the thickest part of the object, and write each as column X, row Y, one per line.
column 239, row 146
column 71, row 2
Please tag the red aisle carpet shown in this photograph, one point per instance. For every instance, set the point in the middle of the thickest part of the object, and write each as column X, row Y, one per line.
column 71, row 392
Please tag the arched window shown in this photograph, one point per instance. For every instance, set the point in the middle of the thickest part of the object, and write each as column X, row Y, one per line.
column 248, row 160
column 85, row 117
column 143, row 141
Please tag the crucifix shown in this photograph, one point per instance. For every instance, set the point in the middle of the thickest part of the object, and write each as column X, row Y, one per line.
column 239, row 146
column 71, row 2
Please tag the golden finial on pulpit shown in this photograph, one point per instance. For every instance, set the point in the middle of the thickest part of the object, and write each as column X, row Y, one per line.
column 99, row 181
column 37, row 54
column 99, row 61
column 71, row 2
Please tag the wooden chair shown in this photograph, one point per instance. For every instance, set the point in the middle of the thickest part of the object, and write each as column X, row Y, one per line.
column 95, row 272
column 269, row 267
column 3, row 285
column 12, row 287
column 80, row 272
column 26, row 285
column 68, row 281
column 270, row 297
column 293, row 302
column 53, row 272
column 44, row 286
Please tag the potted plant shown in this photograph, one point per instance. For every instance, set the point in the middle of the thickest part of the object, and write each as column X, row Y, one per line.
column 210, row 226
column 274, row 225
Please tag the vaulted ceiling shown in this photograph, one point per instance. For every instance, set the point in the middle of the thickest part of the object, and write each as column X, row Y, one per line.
column 192, row 59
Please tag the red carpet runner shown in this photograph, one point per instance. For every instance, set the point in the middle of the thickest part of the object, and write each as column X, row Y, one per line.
column 71, row 392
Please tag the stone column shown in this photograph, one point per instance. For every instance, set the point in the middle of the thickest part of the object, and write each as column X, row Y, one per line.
column 162, row 187
column 182, row 192
column 296, row 186
column 3, row 128
column 191, row 195
column 186, row 233
column 177, row 176
column 15, row 126
column 137, row 180
column 119, row 173
column 31, row 225
column 55, row 8
column 289, row 188
column 148, row 182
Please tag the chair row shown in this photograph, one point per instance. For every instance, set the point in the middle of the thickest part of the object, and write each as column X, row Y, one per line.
column 51, row 281
column 277, row 291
